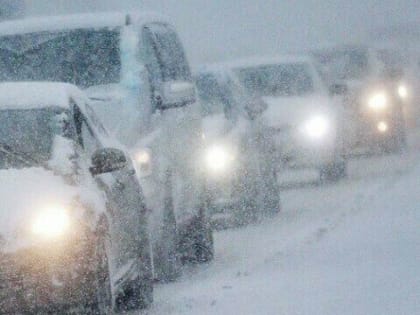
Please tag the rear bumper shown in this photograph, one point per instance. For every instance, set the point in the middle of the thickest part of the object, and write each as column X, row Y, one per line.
column 47, row 280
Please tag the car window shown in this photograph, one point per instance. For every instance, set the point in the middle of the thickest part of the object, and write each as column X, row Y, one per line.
column 165, row 56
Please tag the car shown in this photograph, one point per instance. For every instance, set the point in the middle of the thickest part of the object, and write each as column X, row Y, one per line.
column 374, row 94
column 305, row 122
column 73, row 223
column 242, row 171
column 141, row 88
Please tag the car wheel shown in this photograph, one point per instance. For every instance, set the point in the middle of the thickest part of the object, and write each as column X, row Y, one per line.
column 196, row 243
column 138, row 292
column 246, row 191
column 167, row 265
column 135, row 289
column 204, row 244
column 103, row 303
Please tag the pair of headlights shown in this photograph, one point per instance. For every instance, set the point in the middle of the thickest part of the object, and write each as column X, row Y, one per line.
column 379, row 101
column 220, row 157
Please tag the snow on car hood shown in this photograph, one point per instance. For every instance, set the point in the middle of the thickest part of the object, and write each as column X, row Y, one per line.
column 291, row 111
column 26, row 192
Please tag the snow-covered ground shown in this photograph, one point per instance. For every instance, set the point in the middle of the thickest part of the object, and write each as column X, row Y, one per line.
column 350, row 248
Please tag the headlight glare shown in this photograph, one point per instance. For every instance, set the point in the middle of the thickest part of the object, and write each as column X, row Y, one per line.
column 378, row 101
column 382, row 127
column 143, row 160
column 316, row 127
column 218, row 158
column 51, row 222
column 402, row 91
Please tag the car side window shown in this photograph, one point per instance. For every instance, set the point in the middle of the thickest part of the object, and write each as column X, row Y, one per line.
column 151, row 61
column 165, row 56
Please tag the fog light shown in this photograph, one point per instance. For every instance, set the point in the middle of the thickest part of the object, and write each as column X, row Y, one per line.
column 382, row 127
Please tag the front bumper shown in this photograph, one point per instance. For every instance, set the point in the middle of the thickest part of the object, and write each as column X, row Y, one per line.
column 47, row 280
column 296, row 151
column 367, row 134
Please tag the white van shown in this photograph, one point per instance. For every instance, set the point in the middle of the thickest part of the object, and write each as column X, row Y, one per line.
column 134, row 68
column 304, row 120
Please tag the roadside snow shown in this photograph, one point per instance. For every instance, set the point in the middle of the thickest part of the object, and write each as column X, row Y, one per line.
column 351, row 248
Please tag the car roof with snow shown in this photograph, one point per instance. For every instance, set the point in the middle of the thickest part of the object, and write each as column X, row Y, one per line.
column 268, row 60
column 30, row 95
column 77, row 21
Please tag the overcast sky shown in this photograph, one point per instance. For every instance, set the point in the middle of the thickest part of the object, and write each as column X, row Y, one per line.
column 214, row 30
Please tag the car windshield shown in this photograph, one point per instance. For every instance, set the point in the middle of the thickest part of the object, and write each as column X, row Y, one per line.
column 83, row 57
column 277, row 80
column 348, row 64
column 27, row 136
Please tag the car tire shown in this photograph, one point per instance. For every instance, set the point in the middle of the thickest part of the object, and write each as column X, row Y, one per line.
column 196, row 243
column 167, row 263
column 137, row 293
column 204, row 243
column 104, row 299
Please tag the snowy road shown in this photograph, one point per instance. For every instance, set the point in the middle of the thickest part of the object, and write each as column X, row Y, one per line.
column 350, row 248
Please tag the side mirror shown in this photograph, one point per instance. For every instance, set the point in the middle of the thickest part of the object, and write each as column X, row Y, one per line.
column 177, row 94
column 107, row 160
column 254, row 107
column 338, row 89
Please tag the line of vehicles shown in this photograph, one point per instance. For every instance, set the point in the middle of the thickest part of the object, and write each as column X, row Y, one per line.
column 117, row 163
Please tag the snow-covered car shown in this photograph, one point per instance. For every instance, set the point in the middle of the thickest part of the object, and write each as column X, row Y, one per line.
column 374, row 95
column 73, row 227
column 304, row 120
column 241, row 169
column 142, row 90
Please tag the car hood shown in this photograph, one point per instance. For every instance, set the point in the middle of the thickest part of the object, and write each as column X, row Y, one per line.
column 23, row 194
column 283, row 112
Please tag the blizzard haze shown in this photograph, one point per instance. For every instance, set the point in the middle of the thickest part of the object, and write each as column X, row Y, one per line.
column 226, row 29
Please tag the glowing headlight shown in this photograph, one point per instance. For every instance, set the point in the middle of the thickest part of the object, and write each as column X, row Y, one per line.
column 382, row 127
column 316, row 127
column 143, row 159
column 218, row 158
column 402, row 91
column 51, row 222
column 378, row 101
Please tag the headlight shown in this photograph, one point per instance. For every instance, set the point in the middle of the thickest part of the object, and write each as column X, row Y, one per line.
column 218, row 158
column 316, row 127
column 402, row 91
column 143, row 160
column 51, row 222
column 378, row 101
column 382, row 127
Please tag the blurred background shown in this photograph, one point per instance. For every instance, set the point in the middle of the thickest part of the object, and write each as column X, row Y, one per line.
column 226, row 29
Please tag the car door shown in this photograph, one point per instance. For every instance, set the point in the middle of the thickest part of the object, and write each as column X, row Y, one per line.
column 124, row 200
